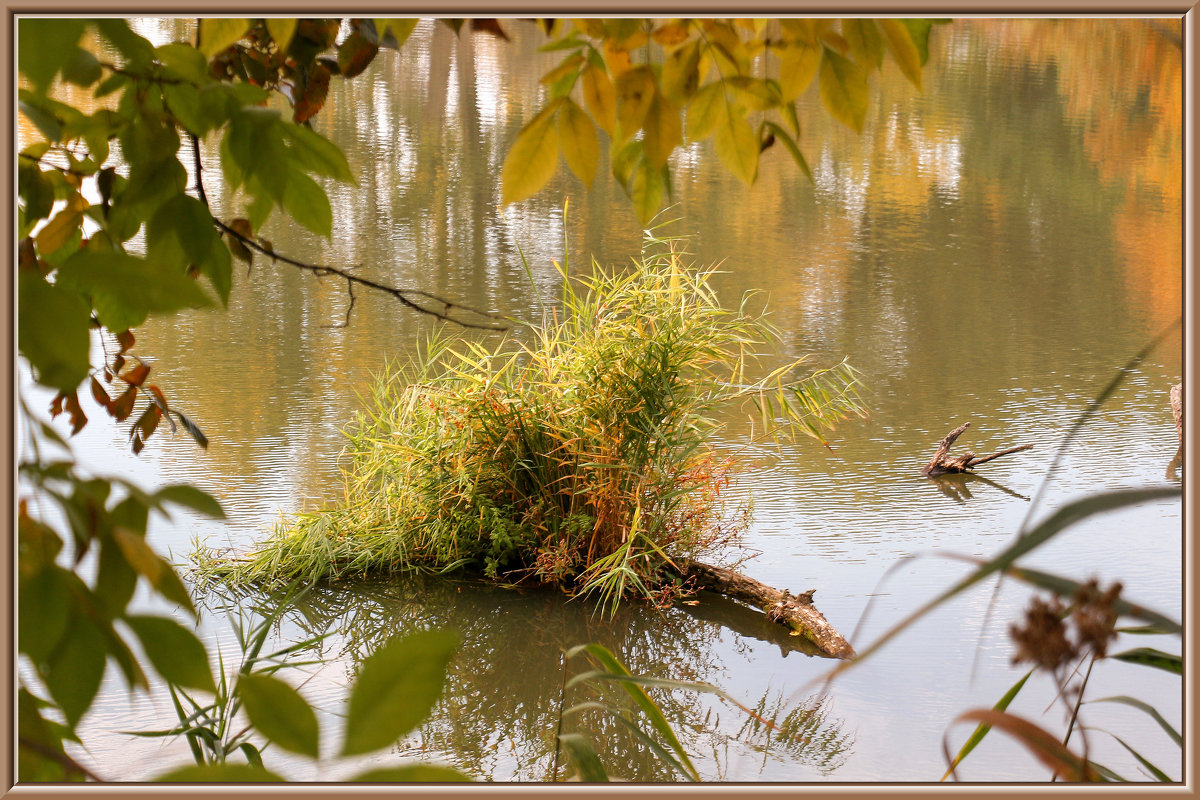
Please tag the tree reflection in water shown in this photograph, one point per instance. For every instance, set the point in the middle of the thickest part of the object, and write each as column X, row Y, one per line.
column 499, row 714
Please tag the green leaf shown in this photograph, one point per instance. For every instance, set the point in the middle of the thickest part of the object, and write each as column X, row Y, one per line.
column 125, row 289
column 798, row 63
column 316, row 153
column 161, row 575
column 116, row 579
column 44, row 46
column 635, row 92
column 174, row 651
column 52, row 331
column 76, row 668
column 412, row 773
column 183, row 61
column 900, row 44
column 397, row 687
column 220, row 773
column 81, row 68
column 218, row 268
column 577, row 141
column 584, row 757
column 663, row 131
column 35, row 191
column 281, row 30
column 183, row 494
column 43, row 606
column 46, row 123
column 532, row 159
column 844, row 90
column 137, row 50
column 1150, row 657
column 218, row 34
column 308, row 204
column 737, row 146
column 180, row 233
column 280, row 713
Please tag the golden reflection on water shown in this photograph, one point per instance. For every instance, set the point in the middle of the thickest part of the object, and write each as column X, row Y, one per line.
column 989, row 249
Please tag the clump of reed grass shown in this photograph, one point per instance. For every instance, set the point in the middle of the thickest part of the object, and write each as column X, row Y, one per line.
column 580, row 456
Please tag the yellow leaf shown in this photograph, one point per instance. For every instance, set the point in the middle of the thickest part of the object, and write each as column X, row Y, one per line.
column 705, row 111
column 804, row 31
column 569, row 63
column 866, row 45
column 281, row 31
column 635, row 92
column 592, row 27
column 843, row 87
column 532, row 159
column 797, row 66
column 647, row 192
column 663, row 131
column 577, row 141
column 737, row 146
column 727, row 48
column 55, row 233
column 400, row 28
column 217, row 34
column 903, row 49
column 672, row 33
column 616, row 58
column 680, row 72
column 600, row 97
column 754, row 93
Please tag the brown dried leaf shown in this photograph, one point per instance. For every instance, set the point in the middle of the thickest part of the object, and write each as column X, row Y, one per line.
column 312, row 96
column 101, row 396
column 136, row 375
column 78, row 418
column 122, row 407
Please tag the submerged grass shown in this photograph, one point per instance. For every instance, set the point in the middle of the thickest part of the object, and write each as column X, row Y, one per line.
column 579, row 457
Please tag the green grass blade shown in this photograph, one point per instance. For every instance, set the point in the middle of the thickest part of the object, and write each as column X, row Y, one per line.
column 1150, row 657
column 1149, row 709
column 982, row 729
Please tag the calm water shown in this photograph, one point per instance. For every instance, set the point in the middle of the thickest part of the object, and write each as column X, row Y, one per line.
column 991, row 250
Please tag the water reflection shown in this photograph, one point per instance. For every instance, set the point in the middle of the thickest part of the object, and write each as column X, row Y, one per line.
column 992, row 248
column 505, row 689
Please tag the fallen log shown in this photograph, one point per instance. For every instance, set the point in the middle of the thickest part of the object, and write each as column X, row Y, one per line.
column 795, row 611
column 941, row 463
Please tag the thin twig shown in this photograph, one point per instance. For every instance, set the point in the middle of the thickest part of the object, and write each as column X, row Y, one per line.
column 404, row 296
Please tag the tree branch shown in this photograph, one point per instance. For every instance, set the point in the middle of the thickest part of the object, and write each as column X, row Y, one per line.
column 407, row 297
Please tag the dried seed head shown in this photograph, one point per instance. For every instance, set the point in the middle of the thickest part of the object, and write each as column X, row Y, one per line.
column 1095, row 616
column 1043, row 639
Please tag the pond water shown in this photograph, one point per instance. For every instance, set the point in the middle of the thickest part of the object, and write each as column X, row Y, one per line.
column 991, row 250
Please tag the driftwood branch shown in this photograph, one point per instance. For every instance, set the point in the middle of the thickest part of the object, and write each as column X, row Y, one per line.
column 942, row 463
column 795, row 611
column 416, row 299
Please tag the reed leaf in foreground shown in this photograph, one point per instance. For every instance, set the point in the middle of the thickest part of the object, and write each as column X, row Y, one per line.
column 577, row 455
